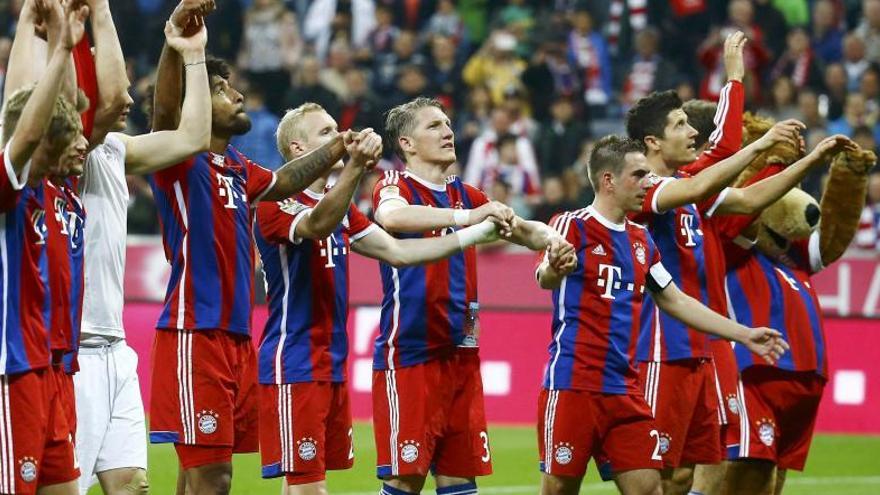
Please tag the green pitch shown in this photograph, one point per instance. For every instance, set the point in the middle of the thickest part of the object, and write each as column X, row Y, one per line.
column 838, row 464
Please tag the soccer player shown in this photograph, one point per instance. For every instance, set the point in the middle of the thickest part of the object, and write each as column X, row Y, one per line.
column 427, row 391
column 304, row 244
column 38, row 453
column 591, row 405
column 205, row 371
column 112, row 431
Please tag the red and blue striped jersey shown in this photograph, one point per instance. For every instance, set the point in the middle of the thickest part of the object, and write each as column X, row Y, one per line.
column 777, row 293
column 24, row 273
column 692, row 255
column 65, row 223
column 597, row 309
column 307, row 283
column 206, row 206
column 424, row 307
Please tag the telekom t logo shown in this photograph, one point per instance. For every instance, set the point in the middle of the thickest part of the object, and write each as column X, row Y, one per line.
column 330, row 247
column 609, row 277
column 227, row 191
column 688, row 230
column 792, row 282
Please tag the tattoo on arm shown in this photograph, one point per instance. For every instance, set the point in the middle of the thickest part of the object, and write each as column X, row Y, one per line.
column 298, row 173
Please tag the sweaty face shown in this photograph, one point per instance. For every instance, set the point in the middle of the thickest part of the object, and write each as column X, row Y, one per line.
column 73, row 158
column 633, row 183
column 431, row 139
column 319, row 128
column 228, row 117
column 677, row 146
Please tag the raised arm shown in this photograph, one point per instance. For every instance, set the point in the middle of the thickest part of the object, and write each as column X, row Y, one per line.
column 37, row 112
column 297, row 174
column 713, row 179
column 21, row 69
column 756, row 197
column 382, row 246
column 765, row 342
column 148, row 153
column 113, row 80
column 323, row 219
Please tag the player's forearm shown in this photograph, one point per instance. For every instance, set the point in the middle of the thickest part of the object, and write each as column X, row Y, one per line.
column 113, row 80
column 327, row 214
column 531, row 234
column 195, row 121
column 408, row 252
column 715, row 178
column 37, row 112
column 296, row 175
column 416, row 218
column 761, row 194
column 689, row 311
column 168, row 90
column 548, row 277
column 21, row 69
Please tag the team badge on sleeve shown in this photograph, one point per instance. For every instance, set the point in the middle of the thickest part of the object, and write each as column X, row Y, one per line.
column 27, row 469
column 389, row 192
column 733, row 404
column 291, row 207
column 766, row 431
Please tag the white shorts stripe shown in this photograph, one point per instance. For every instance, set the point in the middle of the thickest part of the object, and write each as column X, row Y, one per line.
column 549, row 420
column 743, row 422
column 6, row 454
column 722, row 411
column 393, row 416
column 184, row 384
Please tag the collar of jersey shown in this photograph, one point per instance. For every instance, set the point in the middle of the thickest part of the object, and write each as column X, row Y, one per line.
column 619, row 227
column 429, row 185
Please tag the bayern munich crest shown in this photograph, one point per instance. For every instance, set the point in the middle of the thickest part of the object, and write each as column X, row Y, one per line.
column 640, row 252
column 207, row 422
column 564, row 453
column 27, row 469
column 663, row 442
column 307, row 448
column 766, row 431
column 409, row 451
column 733, row 404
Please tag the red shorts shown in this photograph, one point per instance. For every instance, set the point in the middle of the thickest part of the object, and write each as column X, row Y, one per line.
column 684, row 401
column 431, row 416
column 67, row 398
column 778, row 415
column 616, row 430
column 204, row 394
column 727, row 391
column 305, row 430
column 37, row 448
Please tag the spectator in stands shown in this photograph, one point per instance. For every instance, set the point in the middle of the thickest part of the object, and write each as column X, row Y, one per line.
column 560, row 139
column 769, row 18
column 868, row 235
column 808, row 110
column 549, row 74
column 381, row 39
column 360, row 107
column 484, row 159
column 258, row 144
column 523, row 185
column 865, row 137
column 307, row 87
column 855, row 115
column 827, row 36
column 472, row 119
column 517, row 106
column 444, row 71
column 495, row 66
column 869, row 87
column 783, row 100
column 832, row 100
column 500, row 190
column 588, row 53
column 798, row 63
column 446, row 22
column 338, row 63
column 854, row 61
column 411, row 14
column 649, row 71
column 328, row 19
column 141, row 216
column 271, row 49
column 869, row 29
column 553, row 201
column 411, row 83
column 795, row 12
column 405, row 52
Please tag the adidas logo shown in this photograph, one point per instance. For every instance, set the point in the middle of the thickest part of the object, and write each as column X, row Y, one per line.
column 599, row 250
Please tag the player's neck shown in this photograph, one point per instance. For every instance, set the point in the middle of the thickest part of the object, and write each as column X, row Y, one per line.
column 429, row 172
column 219, row 144
column 608, row 208
column 659, row 166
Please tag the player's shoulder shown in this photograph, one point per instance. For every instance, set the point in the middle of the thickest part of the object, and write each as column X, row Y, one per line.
column 562, row 221
column 389, row 178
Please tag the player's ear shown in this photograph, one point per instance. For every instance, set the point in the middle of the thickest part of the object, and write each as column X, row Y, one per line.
column 652, row 142
column 296, row 148
column 607, row 181
column 405, row 143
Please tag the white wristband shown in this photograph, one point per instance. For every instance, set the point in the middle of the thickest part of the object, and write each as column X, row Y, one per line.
column 475, row 234
column 461, row 217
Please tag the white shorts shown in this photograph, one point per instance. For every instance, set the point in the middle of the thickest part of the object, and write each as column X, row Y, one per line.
column 111, row 432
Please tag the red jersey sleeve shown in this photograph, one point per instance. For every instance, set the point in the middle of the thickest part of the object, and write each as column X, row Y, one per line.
column 649, row 205
column 562, row 223
column 277, row 220
column 87, row 80
column 390, row 188
column 259, row 181
column 359, row 226
column 476, row 196
column 729, row 227
column 726, row 139
column 10, row 183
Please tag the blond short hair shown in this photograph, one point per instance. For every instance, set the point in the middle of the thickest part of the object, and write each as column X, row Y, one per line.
column 289, row 128
column 64, row 124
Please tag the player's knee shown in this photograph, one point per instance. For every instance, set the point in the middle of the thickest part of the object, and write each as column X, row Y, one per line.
column 404, row 485
column 137, row 485
column 560, row 485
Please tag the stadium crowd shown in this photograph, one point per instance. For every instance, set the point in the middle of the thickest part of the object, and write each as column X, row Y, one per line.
column 529, row 84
